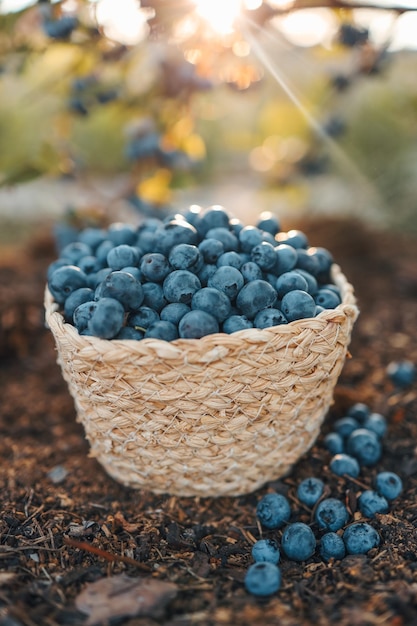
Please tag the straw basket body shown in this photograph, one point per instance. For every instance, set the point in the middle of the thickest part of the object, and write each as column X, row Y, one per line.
column 221, row 415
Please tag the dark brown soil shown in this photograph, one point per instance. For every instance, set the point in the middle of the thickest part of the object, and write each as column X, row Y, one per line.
column 64, row 523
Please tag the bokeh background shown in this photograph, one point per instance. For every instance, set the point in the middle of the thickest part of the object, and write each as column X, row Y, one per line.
column 132, row 108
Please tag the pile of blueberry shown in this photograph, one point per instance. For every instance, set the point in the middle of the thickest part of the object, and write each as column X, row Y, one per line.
column 360, row 433
column 189, row 276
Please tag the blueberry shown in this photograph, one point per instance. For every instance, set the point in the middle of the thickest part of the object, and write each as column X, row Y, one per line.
column 92, row 237
column 295, row 238
column 65, row 280
column 331, row 514
column 77, row 297
column 212, row 301
column 75, row 251
column 211, row 250
column 265, row 550
column 251, row 271
column 307, row 261
column 325, row 262
column 263, row 579
column 228, row 239
column 236, row 225
column 55, row 265
column 103, row 250
column 161, row 329
column 360, row 537
column 249, row 237
column 255, row 296
column 107, row 318
column 370, row 502
column 153, row 296
column 286, row 258
column 174, row 311
column 180, row 286
column 206, row 272
column 155, row 267
column 121, row 233
column 127, row 332
column 89, row 264
column 273, row 510
column 186, row 257
column 365, row 446
column 213, row 217
column 227, row 279
column 288, row 281
column 172, row 233
column 123, row 287
column 377, row 423
column 193, row 214
column 197, row 324
column 312, row 284
column 318, row 310
column 388, row 484
column 344, row 464
column 269, row 222
column 359, row 411
column 264, row 255
column 297, row 304
column 142, row 318
column 269, row 317
column 135, row 271
column 310, row 490
column 401, row 373
column 98, row 277
column 231, row 258
column 60, row 28
column 332, row 547
column 327, row 298
column 298, row 541
column 334, row 443
column 122, row 256
column 236, row 322
column 82, row 315
column 345, row 426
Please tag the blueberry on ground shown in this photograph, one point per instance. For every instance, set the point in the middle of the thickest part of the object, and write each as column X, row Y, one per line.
column 346, row 425
column 365, row 446
column 389, row 485
column 401, row 373
column 343, row 464
column 273, row 510
column 298, row 541
column 310, row 490
column 332, row 546
column 370, row 502
column 333, row 442
column 377, row 423
column 331, row 514
column 265, row 550
column 359, row 411
column 263, row 579
column 360, row 537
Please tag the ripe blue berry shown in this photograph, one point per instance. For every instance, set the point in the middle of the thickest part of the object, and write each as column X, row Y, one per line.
column 211, row 250
column 162, row 330
column 127, row 332
column 123, row 287
column 197, row 324
column 65, row 280
column 122, row 256
column 288, row 282
column 401, row 373
column 327, row 298
column 269, row 222
column 298, row 541
column 331, row 514
column 310, row 490
column 249, row 237
column 107, row 318
column 360, row 537
column 265, row 550
column 180, row 286
column 255, row 296
column 343, row 464
column 345, row 426
column 251, row 271
column 212, row 301
column 286, row 258
column 389, row 485
column 228, row 239
column 297, row 304
column 295, row 238
column 82, row 315
column 236, row 322
column 142, row 318
column 120, row 233
column 359, row 411
column 231, row 258
column 174, row 311
column 376, row 423
column 371, row 502
column 77, row 297
column 273, row 510
column 153, row 296
column 154, row 266
column 263, row 579
column 264, row 255
column 227, row 279
column 213, row 217
column 365, row 446
column 172, row 233
column 269, row 317
column 334, row 443
column 75, row 251
column 186, row 257
column 332, row 547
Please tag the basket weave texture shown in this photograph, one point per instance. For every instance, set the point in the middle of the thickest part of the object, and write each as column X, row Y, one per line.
column 216, row 416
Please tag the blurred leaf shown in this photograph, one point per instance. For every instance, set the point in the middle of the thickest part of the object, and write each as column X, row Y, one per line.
column 155, row 190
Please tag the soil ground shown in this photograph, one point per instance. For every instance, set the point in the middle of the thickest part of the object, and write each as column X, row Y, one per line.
column 64, row 523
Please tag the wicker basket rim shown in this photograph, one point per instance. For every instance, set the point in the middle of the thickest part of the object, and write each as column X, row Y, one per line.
column 348, row 308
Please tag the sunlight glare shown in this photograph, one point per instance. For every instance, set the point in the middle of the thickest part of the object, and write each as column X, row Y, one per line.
column 123, row 21
column 308, row 27
column 219, row 14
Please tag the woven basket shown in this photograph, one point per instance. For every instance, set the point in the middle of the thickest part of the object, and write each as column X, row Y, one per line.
column 221, row 415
